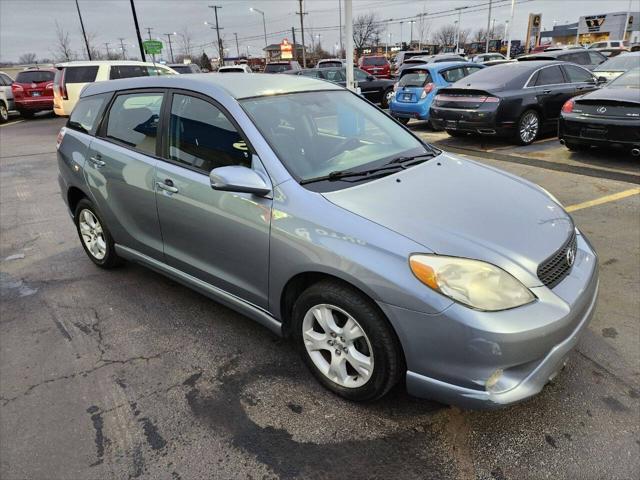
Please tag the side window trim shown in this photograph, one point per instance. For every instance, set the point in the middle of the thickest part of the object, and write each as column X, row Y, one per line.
column 101, row 131
column 163, row 127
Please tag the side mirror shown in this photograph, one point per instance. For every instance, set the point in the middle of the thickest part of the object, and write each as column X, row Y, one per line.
column 370, row 78
column 235, row 178
column 602, row 80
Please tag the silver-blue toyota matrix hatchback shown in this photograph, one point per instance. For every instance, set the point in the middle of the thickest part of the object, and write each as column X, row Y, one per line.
column 308, row 209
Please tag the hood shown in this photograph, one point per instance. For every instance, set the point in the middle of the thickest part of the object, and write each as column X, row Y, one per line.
column 458, row 207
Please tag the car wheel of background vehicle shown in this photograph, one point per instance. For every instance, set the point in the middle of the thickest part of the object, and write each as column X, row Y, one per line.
column 433, row 127
column 528, row 127
column 576, row 147
column 402, row 120
column 4, row 113
column 26, row 114
column 94, row 236
column 346, row 342
column 387, row 95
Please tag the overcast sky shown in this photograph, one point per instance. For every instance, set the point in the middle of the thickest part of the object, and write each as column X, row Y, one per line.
column 29, row 25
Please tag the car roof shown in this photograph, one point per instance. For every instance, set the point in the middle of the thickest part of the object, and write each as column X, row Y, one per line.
column 439, row 66
column 88, row 63
column 236, row 86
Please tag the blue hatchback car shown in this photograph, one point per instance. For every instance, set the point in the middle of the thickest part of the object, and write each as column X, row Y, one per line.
column 420, row 83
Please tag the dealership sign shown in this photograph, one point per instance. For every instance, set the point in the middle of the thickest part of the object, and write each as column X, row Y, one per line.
column 594, row 22
column 152, row 47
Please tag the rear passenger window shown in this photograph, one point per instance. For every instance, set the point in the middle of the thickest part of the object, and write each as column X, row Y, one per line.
column 133, row 120
column 596, row 58
column 202, row 137
column 550, row 76
column 578, row 75
column 128, row 71
column 86, row 114
column 581, row 58
column 453, row 75
column 80, row 74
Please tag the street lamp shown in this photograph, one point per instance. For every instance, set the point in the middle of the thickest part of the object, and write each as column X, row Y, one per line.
column 170, row 47
column 264, row 27
column 387, row 50
column 411, row 36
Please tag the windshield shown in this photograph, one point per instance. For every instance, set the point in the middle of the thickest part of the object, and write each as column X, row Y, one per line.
column 414, row 78
column 35, row 76
column 316, row 133
column 630, row 79
column 621, row 63
column 276, row 67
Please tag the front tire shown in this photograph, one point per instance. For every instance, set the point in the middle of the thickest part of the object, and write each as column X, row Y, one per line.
column 4, row 113
column 346, row 342
column 94, row 236
column 528, row 127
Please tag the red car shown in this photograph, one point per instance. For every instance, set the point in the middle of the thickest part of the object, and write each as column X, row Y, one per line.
column 375, row 65
column 33, row 91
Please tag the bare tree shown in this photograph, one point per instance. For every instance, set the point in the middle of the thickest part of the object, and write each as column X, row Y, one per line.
column 465, row 35
column 423, row 27
column 27, row 58
column 499, row 31
column 479, row 35
column 185, row 43
column 366, row 29
column 445, row 35
column 62, row 47
column 96, row 54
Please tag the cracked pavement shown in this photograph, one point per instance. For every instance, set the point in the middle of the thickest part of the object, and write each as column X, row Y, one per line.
column 126, row 374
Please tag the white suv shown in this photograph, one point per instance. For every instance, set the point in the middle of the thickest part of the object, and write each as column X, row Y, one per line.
column 71, row 77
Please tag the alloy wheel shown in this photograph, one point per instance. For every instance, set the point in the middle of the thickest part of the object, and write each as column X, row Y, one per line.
column 4, row 114
column 388, row 97
column 337, row 345
column 92, row 234
column 529, row 127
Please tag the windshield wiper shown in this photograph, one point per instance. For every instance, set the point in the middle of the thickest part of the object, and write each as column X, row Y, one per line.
column 404, row 160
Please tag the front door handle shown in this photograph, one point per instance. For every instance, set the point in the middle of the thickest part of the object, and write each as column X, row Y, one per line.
column 546, row 92
column 167, row 186
column 97, row 162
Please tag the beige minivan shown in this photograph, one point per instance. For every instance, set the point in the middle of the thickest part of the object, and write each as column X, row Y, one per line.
column 71, row 77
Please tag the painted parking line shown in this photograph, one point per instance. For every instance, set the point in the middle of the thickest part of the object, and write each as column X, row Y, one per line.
column 605, row 199
column 11, row 123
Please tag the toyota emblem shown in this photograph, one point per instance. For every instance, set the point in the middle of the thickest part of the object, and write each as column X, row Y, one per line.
column 602, row 109
column 571, row 257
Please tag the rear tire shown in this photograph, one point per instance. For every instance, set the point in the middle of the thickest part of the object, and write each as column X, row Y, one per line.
column 528, row 127
column 27, row 114
column 386, row 97
column 346, row 341
column 95, row 236
column 403, row 120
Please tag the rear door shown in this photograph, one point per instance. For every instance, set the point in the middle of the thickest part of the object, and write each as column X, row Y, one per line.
column 582, row 79
column 120, row 170
column 221, row 238
column 552, row 90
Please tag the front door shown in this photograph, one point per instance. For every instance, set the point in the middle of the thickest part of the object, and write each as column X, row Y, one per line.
column 552, row 90
column 221, row 238
column 120, row 171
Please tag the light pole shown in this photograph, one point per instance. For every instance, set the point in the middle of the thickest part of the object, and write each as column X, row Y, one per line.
column 509, row 24
column 390, row 35
column 401, row 22
column 218, row 28
column 170, row 46
column 411, row 36
column 457, row 24
column 264, row 28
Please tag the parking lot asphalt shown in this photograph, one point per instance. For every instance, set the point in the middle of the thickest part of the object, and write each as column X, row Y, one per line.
column 126, row 374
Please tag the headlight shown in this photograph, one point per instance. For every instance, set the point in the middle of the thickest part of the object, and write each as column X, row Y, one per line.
column 473, row 283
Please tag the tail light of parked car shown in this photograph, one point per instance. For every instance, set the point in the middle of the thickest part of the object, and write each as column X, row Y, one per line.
column 59, row 84
column 428, row 88
column 477, row 99
column 17, row 90
column 49, row 86
column 568, row 106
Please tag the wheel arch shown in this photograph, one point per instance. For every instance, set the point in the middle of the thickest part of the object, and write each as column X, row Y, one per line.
column 74, row 195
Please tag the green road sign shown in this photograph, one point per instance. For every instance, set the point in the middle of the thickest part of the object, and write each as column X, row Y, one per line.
column 152, row 47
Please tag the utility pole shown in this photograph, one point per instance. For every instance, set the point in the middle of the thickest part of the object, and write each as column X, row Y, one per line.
column 348, row 34
column 124, row 50
column 135, row 21
column 411, row 36
column 237, row 47
column 340, row 20
column 513, row 4
column 304, row 53
column 220, row 51
column 84, row 34
column 170, row 47
column 153, row 55
column 106, row 45
column 488, row 26
column 458, row 29
column 295, row 50
column 401, row 22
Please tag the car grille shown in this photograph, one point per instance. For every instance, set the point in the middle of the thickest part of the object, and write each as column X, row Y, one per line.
column 554, row 269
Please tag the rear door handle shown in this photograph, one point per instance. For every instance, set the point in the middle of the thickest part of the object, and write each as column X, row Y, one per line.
column 97, row 161
column 167, row 186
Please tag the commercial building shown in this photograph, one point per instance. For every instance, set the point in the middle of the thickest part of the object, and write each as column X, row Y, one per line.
column 595, row 28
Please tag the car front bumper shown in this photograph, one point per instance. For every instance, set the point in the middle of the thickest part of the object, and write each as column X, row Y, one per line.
column 451, row 356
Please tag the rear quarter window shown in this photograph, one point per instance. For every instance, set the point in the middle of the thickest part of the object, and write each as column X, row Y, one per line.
column 128, row 71
column 87, row 113
column 80, row 74
column 34, row 77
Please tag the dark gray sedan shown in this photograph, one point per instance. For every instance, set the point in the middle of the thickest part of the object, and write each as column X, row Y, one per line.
column 299, row 204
